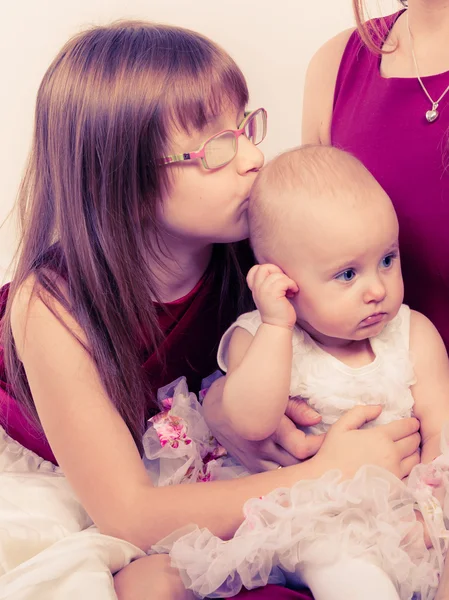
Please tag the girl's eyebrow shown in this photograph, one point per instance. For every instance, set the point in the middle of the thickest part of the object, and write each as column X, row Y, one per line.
column 216, row 122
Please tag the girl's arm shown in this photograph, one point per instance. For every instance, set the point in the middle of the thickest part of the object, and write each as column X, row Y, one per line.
column 257, row 383
column 431, row 392
column 99, row 458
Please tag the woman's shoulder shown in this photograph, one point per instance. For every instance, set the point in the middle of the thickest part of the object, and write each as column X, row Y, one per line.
column 319, row 88
column 327, row 60
column 331, row 52
column 329, row 67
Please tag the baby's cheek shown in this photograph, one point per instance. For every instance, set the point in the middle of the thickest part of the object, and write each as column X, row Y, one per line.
column 323, row 317
column 331, row 311
column 303, row 308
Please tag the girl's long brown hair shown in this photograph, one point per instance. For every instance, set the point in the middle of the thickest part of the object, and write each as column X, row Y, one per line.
column 372, row 33
column 105, row 111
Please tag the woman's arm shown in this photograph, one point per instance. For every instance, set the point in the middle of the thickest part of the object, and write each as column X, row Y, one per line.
column 431, row 391
column 319, row 90
column 99, row 458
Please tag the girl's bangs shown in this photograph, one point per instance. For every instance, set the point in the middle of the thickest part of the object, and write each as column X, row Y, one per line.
column 199, row 98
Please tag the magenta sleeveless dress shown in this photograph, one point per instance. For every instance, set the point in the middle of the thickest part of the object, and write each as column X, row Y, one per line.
column 382, row 122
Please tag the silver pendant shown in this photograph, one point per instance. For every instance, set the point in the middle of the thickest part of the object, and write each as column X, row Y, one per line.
column 432, row 115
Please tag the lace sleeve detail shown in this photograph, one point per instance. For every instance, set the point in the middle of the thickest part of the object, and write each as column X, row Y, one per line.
column 250, row 321
column 404, row 324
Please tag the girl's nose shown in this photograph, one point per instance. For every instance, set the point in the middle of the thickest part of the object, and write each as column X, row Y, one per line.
column 249, row 157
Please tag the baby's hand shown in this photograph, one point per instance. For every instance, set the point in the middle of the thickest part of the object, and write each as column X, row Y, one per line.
column 271, row 289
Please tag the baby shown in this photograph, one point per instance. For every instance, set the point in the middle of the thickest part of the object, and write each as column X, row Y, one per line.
column 330, row 327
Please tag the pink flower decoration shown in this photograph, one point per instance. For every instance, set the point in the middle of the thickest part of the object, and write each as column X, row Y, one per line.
column 167, row 403
column 170, row 429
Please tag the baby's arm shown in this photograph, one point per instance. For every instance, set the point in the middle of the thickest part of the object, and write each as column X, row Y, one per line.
column 431, row 392
column 257, row 384
column 431, row 395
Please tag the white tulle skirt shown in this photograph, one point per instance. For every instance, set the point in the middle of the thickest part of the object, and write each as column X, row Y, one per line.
column 283, row 534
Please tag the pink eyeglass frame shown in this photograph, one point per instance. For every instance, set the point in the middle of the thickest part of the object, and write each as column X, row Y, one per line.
column 200, row 153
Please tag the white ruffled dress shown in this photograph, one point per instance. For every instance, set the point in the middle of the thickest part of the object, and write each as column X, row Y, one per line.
column 315, row 522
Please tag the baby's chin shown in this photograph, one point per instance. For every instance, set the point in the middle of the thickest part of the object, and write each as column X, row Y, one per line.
column 370, row 331
column 329, row 337
column 335, row 338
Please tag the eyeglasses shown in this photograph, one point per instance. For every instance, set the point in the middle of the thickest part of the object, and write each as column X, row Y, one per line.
column 222, row 147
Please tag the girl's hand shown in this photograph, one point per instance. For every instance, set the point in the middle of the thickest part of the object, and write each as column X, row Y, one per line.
column 271, row 290
column 153, row 573
column 346, row 447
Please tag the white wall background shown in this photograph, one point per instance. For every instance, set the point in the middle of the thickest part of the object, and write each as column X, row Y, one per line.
column 271, row 40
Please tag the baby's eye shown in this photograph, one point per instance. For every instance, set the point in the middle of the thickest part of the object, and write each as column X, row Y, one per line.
column 347, row 275
column 387, row 261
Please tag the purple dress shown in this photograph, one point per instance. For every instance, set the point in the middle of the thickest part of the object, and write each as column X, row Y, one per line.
column 382, row 122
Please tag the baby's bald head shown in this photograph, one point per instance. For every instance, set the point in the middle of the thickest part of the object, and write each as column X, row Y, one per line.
column 320, row 216
column 304, row 193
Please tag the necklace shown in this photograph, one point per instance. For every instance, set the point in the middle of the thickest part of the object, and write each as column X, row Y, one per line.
column 432, row 114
